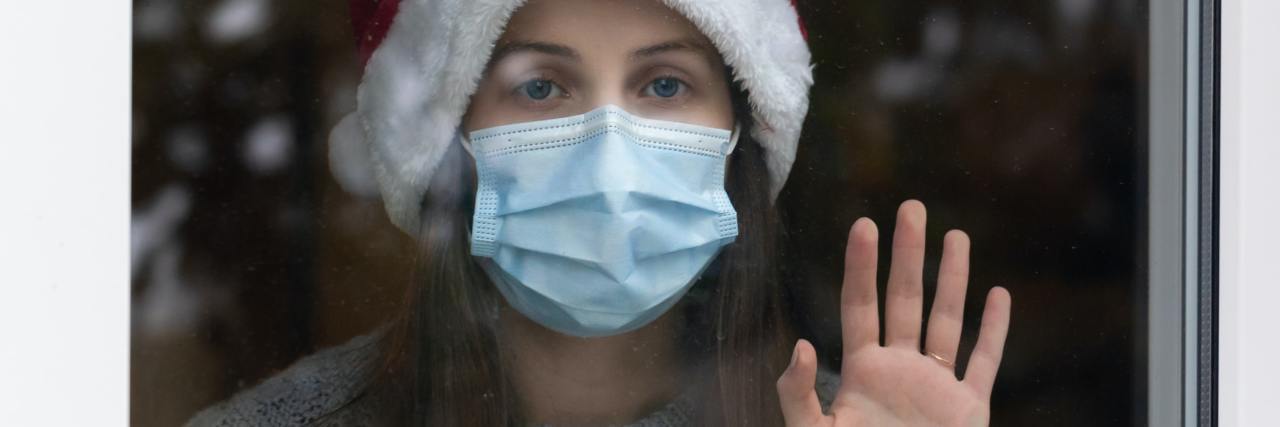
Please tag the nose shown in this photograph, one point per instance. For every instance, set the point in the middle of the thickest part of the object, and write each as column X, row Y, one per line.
column 608, row 88
column 615, row 168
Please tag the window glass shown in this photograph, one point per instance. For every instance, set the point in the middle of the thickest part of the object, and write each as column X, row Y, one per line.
column 258, row 240
column 1022, row 124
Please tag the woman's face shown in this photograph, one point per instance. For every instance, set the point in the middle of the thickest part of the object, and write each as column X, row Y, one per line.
column 566, row 57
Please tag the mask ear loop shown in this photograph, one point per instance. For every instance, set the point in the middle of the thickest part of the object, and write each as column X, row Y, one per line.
column 466, row 145
column 733, row 144
column 466, row 142
column 733, row 139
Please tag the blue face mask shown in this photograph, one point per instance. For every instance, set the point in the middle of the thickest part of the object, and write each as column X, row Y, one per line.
column 595, row 225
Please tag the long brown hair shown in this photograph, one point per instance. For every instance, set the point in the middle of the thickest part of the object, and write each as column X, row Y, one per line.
column 443, row 363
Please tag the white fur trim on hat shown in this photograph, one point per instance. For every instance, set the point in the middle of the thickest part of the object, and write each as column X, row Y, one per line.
column 419, row 81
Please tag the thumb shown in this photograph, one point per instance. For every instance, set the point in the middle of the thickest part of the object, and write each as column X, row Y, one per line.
column 799, row 401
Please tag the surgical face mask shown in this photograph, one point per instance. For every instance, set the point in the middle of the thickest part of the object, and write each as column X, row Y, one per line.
column 595, row 225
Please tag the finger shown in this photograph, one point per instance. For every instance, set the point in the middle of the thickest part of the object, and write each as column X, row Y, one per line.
column 946, row 318
column 800, row 406
column 859, row 309
column 985, row 361
column 903, row 296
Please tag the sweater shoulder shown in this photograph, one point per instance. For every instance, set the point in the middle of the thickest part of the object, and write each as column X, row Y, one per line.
column 311, row 391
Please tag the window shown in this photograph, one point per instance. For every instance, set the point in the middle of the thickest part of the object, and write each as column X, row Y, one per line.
column 1073, row 141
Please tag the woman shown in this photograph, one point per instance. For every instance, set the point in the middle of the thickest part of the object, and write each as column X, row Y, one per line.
column 592, row 184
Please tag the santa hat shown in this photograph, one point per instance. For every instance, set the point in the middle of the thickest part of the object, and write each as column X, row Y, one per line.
column 424, row 60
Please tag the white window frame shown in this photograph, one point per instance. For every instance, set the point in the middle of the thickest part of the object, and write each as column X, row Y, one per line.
column 1249, row 206
column 64, row 213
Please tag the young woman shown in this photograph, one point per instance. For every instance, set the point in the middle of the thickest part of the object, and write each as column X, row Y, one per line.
column 592, row 186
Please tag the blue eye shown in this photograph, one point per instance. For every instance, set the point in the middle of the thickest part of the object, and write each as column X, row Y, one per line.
column 539, row 90
column 665, row 87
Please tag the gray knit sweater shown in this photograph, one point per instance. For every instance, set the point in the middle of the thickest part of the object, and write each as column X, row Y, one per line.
column 313, row 390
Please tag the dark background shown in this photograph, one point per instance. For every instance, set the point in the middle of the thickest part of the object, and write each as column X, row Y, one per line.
column 1019, row 122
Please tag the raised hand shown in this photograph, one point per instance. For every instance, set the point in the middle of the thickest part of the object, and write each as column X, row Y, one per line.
column 897, row 384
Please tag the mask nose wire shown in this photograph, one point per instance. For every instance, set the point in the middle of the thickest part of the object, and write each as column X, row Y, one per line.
column 733, row 141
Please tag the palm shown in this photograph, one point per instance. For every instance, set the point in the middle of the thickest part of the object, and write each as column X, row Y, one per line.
column 886, row 386
column 896, row 384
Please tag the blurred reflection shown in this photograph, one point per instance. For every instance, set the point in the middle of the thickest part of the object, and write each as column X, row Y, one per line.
column 235, row 20
column 1019, row 122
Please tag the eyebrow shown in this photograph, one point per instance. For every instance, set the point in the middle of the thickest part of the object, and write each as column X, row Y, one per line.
column 687, row 44
column 512, row 47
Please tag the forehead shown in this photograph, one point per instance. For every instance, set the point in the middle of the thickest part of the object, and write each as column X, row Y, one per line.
column 600, row 25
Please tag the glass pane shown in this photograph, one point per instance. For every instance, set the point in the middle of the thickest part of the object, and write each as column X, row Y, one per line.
column 1022, row 124
column 1025, row 124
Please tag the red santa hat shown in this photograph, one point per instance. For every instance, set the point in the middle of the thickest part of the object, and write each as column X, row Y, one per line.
column 424, row 60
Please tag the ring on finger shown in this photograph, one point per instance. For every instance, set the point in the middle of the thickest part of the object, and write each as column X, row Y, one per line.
column 944, row 361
